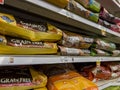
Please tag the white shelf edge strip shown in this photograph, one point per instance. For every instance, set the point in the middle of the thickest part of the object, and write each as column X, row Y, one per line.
column 116, row 3
column 106, row 83
column 50, row 59
column 66, row 13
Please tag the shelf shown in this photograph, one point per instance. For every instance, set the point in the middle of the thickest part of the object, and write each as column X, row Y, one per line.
column 8, row 60
column 45, row 9
column 106, row 83
column 115, row 9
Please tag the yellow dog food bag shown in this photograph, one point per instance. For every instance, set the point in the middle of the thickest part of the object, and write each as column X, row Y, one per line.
column 44, row 88
column 17, row 46
column 27, row 29
column 21, row 78
column 70, row 81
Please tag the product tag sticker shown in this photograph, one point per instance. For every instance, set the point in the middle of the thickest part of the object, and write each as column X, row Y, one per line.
column 11, row 60
column 1, row 1
column 103, row 32
column 98, row 62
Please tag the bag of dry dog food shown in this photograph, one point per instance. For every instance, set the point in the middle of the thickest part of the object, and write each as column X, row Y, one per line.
column 104, row 14
column 27, row 29
column 92, row 5
column 95, row 73
column 10, row 45
column 73, row 51
column 59, row 3
column 98, row 52
column 80, row 10
column 112, row 27
column 72, row 40
column 70, row 80
column 104, row 45
column 21, row 78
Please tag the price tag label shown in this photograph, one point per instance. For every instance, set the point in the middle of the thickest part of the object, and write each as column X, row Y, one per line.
column 103, row 32
column 66, row 59
column 98, row 63
column 1, row 1
column 11, row 60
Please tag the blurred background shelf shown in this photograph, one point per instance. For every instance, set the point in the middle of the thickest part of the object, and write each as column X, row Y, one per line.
column 106, row 83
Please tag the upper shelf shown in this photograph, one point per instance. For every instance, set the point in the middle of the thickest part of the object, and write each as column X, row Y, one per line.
column 115, row 9
column 45, row 9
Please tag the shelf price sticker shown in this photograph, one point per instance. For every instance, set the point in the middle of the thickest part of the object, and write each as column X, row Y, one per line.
column 11, row 60
column 66, row 59
column 1, row 1
column 103, row 30
column 98, row 63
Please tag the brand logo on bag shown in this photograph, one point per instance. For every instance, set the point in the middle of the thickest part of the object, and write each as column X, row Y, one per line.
column 1, row 1
column 7, row 19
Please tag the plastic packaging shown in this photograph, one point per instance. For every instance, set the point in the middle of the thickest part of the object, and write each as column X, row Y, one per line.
column 98, row 52
column 112, row 27
column 116, row 53
column 70, row 81
column 59, row 3
column 21, row 78
column 114, row 66
column 10, row 45
column 104, row 14
column 55, row 69
column 95, row 73
column 26, row 30
column 92, row 5
column 104, row 45
column 73, row 51
column 112, row 88
column 76, row 41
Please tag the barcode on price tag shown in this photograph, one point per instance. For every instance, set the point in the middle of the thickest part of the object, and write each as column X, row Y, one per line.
column 1, row 1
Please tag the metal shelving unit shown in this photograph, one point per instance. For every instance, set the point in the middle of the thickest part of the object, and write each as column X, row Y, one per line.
column 40, row 7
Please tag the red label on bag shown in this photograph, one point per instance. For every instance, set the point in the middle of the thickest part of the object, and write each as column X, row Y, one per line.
column 1, row 1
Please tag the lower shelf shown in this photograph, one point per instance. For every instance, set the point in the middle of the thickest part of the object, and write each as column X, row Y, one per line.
column 6, row 60
column 106, row 83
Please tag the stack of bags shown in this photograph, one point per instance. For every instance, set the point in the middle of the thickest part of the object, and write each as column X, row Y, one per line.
column 92, row 10
column 104, row 48
column 73, row 44
column 56, row 77
column 102, row 71
column 22, row 36
column 109, row 21
column 65, row 77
